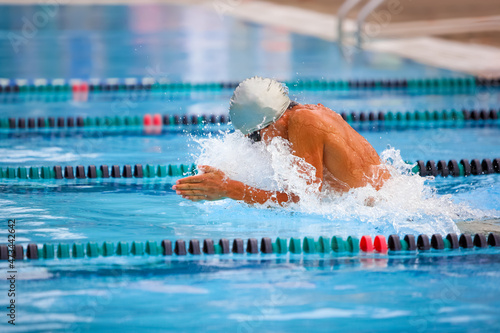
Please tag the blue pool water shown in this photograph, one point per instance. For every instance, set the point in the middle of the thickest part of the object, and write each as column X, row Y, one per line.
column 435, row 291
column 163, row 41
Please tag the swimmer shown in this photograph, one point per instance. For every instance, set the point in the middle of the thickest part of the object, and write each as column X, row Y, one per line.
column 261, row 109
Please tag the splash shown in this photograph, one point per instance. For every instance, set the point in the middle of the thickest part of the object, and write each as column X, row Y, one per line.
column 405, row 204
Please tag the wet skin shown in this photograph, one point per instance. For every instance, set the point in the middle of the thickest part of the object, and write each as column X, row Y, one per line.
column 342, row 157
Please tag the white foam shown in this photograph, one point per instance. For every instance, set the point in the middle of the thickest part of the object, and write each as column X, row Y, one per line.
column 323, row 313
column 405, row 204
column 160, row 287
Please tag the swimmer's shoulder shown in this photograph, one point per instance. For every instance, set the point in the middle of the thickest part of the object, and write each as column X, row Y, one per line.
column 320, row 109
column 318, row 106
column 304, row 115
column 316, row 115
column 310, row 111
column 309, row 122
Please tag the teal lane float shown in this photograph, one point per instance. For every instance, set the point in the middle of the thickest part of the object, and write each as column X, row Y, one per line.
column 454, row 168
column 187, row 121
column 308, row 245
column 151, row 84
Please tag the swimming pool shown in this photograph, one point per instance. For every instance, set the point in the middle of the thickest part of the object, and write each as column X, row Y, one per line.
column 435, row 290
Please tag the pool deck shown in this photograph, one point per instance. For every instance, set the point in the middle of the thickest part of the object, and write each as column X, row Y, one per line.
column 460, row 35
column 408, row 35
column 479, row 227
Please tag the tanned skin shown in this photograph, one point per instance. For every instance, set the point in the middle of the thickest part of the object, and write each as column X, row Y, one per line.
column 342, row 157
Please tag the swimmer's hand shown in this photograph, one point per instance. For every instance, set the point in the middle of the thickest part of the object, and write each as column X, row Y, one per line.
column 211, row 185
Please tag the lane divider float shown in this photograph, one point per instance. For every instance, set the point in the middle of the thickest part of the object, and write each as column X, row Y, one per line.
column 152, row 84
column 103, row 171
column 426, row 116
column 149, row 120
column 116, row 121
column 308, row 245
column 463, row 168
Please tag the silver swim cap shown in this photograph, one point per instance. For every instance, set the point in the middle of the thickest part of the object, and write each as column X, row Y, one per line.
column 256, row 103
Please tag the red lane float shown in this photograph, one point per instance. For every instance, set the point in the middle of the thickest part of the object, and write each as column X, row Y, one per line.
column 157, row 121
column 365, row 244
column 147, row 120
column 80, row 87
column 380, row 244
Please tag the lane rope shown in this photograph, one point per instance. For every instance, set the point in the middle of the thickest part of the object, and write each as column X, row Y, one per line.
column 160, row 120
column 308, row 245
column 463, row 168
column 92, row 172
column 42, row 85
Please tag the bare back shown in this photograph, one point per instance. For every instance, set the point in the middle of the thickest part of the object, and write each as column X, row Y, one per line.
column 323, row 137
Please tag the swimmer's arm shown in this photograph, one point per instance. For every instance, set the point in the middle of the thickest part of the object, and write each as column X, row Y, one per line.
column 251, row 195
column 213, row 184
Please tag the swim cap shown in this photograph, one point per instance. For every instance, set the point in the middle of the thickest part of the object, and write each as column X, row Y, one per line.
column 256, row 103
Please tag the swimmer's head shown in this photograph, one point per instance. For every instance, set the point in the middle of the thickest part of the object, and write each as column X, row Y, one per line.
column 256, row 103
column 256, row 136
